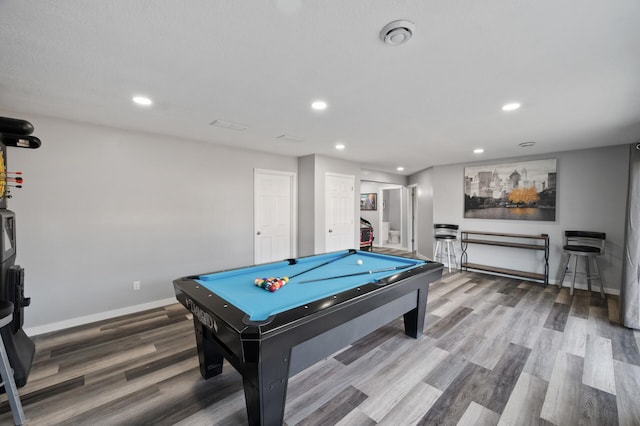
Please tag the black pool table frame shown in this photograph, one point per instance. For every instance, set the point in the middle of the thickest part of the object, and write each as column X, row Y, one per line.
column 266, row 353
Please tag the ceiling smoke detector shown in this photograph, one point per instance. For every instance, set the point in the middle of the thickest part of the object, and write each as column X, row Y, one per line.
column 397, row 32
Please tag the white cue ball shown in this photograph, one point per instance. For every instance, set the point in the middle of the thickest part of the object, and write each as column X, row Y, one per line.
column 359, row 261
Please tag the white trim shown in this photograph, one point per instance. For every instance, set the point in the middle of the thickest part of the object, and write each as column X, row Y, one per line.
column 74, row 322
column 595, row 287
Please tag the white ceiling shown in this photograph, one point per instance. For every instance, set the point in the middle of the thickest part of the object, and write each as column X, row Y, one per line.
column 574, row 65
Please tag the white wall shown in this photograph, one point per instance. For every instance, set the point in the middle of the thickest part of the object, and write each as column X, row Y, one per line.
column 383, row 177
column 591, row 195
column 312, row 228
column 103, row 207
column 306, row 205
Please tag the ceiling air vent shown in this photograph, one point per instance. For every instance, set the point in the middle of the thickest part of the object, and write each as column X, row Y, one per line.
column 290, row 138
column 228, row 125
column 397, row 32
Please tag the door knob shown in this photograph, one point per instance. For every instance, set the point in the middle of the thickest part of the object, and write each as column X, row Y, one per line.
column 258, row 233
column 330, row 230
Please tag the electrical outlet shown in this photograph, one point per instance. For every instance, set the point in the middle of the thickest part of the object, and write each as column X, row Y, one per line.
column 136, row 285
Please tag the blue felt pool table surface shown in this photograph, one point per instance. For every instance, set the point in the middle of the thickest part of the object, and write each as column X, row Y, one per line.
column 238, row 288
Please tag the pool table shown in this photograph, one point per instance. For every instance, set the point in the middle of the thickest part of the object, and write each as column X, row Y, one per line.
column 330, row 301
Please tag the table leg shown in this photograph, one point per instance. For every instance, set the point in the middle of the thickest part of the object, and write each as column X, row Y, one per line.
column 208, row 354
column 414, row 319
column 265, row 385
column 265, row 403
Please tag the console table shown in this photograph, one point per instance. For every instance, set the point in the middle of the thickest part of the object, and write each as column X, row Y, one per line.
column 512, row 241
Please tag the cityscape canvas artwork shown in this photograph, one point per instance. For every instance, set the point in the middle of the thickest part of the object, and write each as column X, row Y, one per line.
column 369, row 201
column 518, row 191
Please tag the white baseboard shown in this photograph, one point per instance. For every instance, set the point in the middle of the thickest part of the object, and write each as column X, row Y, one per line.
column 73, row 322
column 595, row 287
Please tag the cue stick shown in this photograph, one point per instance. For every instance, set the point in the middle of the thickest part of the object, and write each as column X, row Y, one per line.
column 324, row 264
column 394, row 268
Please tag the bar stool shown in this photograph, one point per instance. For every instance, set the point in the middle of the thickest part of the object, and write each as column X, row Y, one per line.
column 588, row 245
column 445, row 235
column 6, row 372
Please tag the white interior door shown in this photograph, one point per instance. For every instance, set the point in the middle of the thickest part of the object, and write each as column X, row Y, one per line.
column 274, row 215
column 339, row 212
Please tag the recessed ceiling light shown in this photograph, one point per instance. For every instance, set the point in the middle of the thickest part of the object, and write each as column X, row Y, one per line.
column 526, row 144
column 319, row 105
column 478, row 151
column 400, row 169
column 511, row 107
column 340, row 146
column 142, row 100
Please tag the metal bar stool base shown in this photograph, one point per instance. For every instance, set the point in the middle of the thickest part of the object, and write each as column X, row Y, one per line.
column 590, row 276
column 448, row 246
column 6, row 372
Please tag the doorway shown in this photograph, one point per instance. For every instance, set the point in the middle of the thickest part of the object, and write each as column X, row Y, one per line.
column 392, row 212
column 397, row 219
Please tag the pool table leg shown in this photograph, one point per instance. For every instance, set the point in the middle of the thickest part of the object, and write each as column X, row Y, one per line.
column 414, row 319
column 209, row 357
column 265, row 383
column 265, row 403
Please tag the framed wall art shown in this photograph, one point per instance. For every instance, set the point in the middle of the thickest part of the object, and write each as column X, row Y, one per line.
column 369, row 201
column 524, row 190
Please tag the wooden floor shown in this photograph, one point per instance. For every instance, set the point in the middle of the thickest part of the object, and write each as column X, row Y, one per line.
column 494, row 351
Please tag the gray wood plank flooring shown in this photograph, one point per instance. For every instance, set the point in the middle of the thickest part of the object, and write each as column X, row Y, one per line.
column 495, row 351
